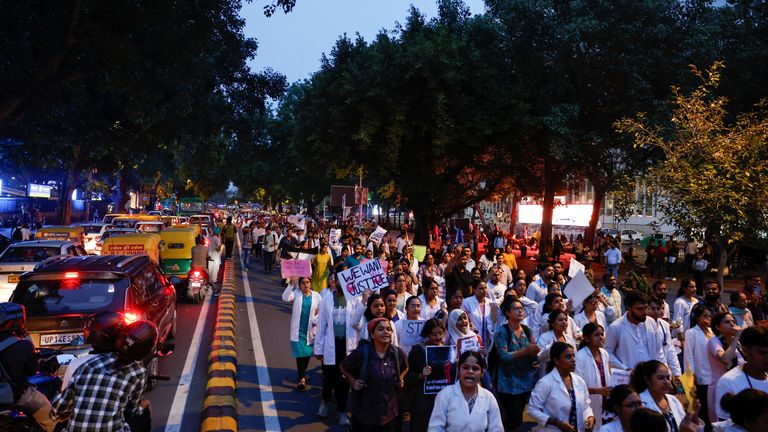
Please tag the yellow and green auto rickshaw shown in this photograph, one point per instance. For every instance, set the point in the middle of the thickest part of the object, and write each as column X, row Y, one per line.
column 176, row 257
column 134, row 244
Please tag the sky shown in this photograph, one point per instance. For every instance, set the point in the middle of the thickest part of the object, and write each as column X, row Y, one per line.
column 293, row 43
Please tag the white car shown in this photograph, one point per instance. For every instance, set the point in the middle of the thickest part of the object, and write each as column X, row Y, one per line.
column 637, row 236
column 93, row 233
column 22, row 257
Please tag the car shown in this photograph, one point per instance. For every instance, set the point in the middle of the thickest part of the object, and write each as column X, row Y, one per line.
column 631, row 236
column 110, row 232
column 150, row 226
column 23, row 256
column 4, row 241
column 93, row 233
column 203, row 219
column 63, row 291
column 608, row 231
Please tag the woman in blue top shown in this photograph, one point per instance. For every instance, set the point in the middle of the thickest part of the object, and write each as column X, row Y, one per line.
column 303, row 323
column 517, row 363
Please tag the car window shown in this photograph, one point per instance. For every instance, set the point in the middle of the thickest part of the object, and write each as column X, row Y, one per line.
column 80, row 251
column 155, row 281
column 70, row 295
column 92, row 229
column 29, row 254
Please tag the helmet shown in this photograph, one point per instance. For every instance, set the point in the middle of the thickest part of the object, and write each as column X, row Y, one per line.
column 100, row 330
column 136, row 341
column 12, row 316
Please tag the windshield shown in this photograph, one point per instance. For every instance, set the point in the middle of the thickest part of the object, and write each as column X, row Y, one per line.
column 29, row 254
column 199, row 219
column 48, row 297
column 124, row 223
column 92, row 229
column 149, row 227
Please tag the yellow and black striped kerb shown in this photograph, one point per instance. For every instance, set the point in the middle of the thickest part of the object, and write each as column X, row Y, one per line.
column 220, row 404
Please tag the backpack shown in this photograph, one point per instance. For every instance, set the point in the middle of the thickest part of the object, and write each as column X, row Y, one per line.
column 7, row 385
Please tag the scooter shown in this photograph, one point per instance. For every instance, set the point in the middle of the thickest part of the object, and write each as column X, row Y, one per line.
column 197, row 284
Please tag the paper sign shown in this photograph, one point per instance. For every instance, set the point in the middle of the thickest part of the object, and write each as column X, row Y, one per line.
column 124, row 249
column 419, row 252
column 293, row 219
column 468, row 343
column 368, row 276
column 411, row 333
column 442, row 360
column 334, row 236
column 574, row 267
column 295, row 267
column 619, row 377
column 578, row 289
column 378, row 234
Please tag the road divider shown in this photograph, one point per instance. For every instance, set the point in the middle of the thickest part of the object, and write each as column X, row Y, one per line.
column 220, row 404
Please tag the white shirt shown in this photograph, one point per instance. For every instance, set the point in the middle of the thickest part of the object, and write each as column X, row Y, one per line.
column 734, row 381
column 586, row 368
column 550, row 398
column 675, row 407
column 623, row 342
column 681, row 312
column 537, row 290
column 614, row 426
column 427, row 311
column 451, row 412
column 669, row 347
column 482, row 318
column 695, row 355
column 497, row 291
column 581, row 319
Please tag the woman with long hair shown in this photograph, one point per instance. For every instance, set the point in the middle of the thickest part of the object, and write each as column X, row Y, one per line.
column 695, row 355
column 482, row 311
column 555, row 409
column 558, row 322
column 433, row 333
column 412, row 313
column 321, row 266
column 748, row 409
column 681, row 309
column 723, row 354
column 593, row 365
column 466, row 406
column 622, row 401
column 590, row 313
column 654, row 382
column 430, row 302
column 306, row 304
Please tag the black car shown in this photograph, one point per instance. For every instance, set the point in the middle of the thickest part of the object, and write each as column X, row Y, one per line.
column 63, row 291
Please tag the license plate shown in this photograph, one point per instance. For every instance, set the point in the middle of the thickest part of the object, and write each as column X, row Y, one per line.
column 195, row 284
column 59, row 338
column 13, row 278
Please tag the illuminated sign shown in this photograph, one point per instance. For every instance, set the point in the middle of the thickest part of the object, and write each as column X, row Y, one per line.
column 38, row 191
column 570, row 214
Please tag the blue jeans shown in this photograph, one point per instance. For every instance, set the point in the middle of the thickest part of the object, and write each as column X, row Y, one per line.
column 246, row 256
column 612, row 269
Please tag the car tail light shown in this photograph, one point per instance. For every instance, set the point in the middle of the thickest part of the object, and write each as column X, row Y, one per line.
column 196, row 273
column 130, row 316
column 71, row 275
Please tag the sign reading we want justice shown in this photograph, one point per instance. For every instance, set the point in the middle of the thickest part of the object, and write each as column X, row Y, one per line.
column 367, row 276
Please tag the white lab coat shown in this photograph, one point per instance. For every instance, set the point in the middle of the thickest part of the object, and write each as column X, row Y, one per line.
column 695, row 355
column 451, row 412
column 471, row 306
column 427, row 311
column 550, row 399
column 681, row 312
column 580, row 320
column 325, row 341
column 669, row 348
column 621, row 343
column 674, row 406
column 586, row 368
column 294, row 295
column 545, row 342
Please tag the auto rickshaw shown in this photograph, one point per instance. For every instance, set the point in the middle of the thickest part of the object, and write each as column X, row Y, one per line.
column 75, row 234
column 134, row 244
column 176, row 258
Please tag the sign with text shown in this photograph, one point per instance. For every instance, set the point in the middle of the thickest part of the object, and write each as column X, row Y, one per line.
column 334, row 236
column 442, row 360
column 123, row 249
column 368, row 276
column 295, row 267
column 38, row 191
column 468, row 343
column 411, row 333
column 378, row 234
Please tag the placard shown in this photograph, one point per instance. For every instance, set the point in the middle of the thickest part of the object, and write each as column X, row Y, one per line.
column 574, row 268
column 578, row 289
column 333, row 236
column 367, row 276
column 411, row 332
column 468, row 343
column 442, row 360
column 377, row 235
column 419, row 252
column 619, row 377
column 295, row 267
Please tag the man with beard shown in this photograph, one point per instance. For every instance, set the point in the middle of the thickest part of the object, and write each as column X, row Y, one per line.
column 711, row 299
column 755, row 300
column 632, row 338
column 660, row 291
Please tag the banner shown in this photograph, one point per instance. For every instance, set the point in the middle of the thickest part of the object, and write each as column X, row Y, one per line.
column 411, row 333
column 442, row 360
column 295, row 267
column 419, row 252
column 378, row 234
column 367, row 276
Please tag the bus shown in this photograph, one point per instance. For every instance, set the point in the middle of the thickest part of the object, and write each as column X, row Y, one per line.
column 190, row 206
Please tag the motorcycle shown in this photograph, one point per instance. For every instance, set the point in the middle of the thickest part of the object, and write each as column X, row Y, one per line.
column 197, row 284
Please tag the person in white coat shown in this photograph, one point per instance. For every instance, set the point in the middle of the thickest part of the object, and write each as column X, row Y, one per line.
column 466, row 406
column 593, row 365
column 668, row 343
column 401, row 327
column 632, row 338
column 431, row 303
column 336, row 337
column 695, row 355
column 558, row 321
column 560, row 401
column 483, row 312
column 654, row 382
column 622, row 401
column 590, row 313
column 306, row 306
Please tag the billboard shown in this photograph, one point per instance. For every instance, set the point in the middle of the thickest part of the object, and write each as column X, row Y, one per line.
column 38, row 191
column 354, row 196
column 569, row 214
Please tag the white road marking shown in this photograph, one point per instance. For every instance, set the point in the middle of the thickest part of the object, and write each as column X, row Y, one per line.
column 175, row 416
column 268, row 405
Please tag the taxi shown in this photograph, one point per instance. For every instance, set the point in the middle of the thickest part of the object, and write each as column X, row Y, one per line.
column 134, row 244
column 75, row 234
column 22, row 257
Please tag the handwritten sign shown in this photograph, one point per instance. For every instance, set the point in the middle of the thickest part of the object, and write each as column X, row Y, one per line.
column 368, row 276
column 410, row 334
column 578, row 289
column 419, row 252
column 295, row 267
column 468, row 343
column 619, row 377
column 378, row 234
column 442, row 360
column 334, row 236
column 574, row 268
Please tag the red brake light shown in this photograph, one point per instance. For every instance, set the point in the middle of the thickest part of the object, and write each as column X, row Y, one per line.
column 71, row 275
column 196, row 273
column 131, row 317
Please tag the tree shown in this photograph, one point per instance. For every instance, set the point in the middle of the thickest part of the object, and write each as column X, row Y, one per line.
column 714, row 173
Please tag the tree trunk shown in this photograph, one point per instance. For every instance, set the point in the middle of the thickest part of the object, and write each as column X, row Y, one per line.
column 122, row 189
column 64, row 210
column 513, row 211
column 550, row 186
column 482, row 217
column 423, row 220
column 596, row 207
column 723, row 261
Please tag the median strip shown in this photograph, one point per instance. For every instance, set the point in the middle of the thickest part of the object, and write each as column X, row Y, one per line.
column 220, row 404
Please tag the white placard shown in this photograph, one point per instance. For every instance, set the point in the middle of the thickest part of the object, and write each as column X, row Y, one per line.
column 619, row 376
column 411, row 333
column 367, row 276
column 333, row 236
column 578, row 289
column 574, row 267
column 378, row 234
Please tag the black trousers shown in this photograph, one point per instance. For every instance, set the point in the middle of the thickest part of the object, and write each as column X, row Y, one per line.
column 512, row 407
column 229, row 244
column 269, row 261
column 334, row 384
column 701, row 393
column 302, row 363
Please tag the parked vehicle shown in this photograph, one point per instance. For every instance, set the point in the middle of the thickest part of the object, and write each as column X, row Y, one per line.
column 23, row 256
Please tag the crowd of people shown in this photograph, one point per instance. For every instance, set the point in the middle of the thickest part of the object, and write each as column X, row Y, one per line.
column 613, row 362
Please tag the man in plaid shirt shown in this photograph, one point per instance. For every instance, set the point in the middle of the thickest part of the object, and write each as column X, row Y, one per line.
column 108, row 388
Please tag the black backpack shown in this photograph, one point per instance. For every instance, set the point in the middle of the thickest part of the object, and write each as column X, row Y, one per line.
column 7, row 385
